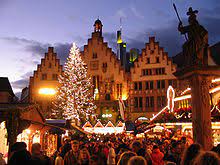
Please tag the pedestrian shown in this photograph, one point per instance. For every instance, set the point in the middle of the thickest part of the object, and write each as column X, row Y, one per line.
column 72, row 157
column 207, row 158
column 191, row 153
column 37, row 157
column 19, row 154
column 111, row 155
column 137, row 160
column 84, row 156
column 123, row 160
column 157, row 156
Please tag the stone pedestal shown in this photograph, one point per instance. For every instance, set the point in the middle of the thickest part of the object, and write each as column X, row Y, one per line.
column 201, row 114
column 200, row 79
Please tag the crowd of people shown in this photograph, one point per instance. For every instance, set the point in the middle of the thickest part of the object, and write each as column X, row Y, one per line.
column 117, row 150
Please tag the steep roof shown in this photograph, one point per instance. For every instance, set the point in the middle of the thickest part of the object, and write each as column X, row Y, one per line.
column 5, row 85
column 214, row 53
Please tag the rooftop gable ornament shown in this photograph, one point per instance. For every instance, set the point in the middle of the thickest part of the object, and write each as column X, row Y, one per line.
column 98, row 124
column 87, row 124
column 109, row 124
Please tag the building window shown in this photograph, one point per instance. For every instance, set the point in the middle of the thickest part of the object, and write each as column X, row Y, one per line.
column 140, row 86
column 147, row 102
column 44, row 77
column 136, row 102
column 151, row 85
column 146, row 85
column 163, row 84
column 140, row 102
column 94, row 55
column 135, row 86
column 150, row 102
column 50, row 65
column 107, row 97
column 170, row 82
column 161, row 101
column 163, row 70
column 148, row 60
column 54, row 77
column 157, row 71
column 157, row 60
column 158, row 101
column 94, row 65
column 158, row 84
column 104, row 67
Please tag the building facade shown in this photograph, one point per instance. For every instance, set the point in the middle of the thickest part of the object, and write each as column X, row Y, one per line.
column 44, row 82
column 150, row 77
column 109, row 78
column 143, row 87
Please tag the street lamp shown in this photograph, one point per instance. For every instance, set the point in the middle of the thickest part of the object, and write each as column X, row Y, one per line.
column 47, row 91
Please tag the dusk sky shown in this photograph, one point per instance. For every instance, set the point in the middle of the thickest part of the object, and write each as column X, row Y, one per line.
column 28, row 27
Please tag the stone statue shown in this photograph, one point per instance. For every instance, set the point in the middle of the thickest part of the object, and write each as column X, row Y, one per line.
column 195, row 49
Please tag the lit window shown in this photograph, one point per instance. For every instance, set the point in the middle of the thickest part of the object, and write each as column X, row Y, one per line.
column 54, row 77
column 44, row 77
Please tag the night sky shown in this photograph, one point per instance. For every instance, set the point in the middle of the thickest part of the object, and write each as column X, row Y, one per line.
column 27, row 29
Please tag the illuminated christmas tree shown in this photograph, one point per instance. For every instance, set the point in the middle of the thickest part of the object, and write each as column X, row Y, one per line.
column 74, row 99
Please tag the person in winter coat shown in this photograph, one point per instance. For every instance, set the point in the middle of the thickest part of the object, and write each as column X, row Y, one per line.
column 157, row 156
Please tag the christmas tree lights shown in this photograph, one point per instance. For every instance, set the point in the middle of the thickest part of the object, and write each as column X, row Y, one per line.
column 74, row 99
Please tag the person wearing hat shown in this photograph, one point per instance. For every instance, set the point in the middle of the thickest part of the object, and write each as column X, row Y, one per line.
column 72, row 156
column 195, row 49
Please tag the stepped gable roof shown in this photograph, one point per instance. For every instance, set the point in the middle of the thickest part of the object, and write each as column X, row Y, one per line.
column 5, row 85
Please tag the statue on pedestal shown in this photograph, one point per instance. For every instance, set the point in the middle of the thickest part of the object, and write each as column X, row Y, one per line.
column 195, row 49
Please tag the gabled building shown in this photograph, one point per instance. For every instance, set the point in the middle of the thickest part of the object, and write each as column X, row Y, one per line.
column 109, row 78
column 44, row 82
column 143, row 86
column 150, row 77
column 6, row 93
